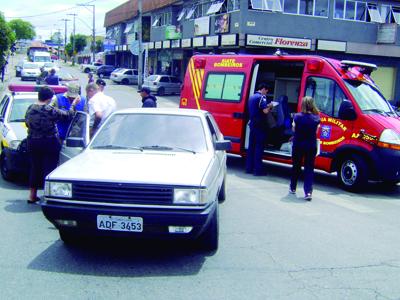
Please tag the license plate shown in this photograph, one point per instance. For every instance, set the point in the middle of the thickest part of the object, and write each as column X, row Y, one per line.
column 119, row 223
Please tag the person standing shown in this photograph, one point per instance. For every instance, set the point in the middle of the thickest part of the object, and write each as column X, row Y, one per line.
column 64, row 102
column 148, row 100
column 90, row 78
column 43, row 140
column 305, row 126
column 100, row 106
column 258, row 109
column 52, row 78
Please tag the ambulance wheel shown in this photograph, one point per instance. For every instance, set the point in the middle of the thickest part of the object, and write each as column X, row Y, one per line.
column 209, row 238
column 5, row 172
column 161, row 91
column 352, row 173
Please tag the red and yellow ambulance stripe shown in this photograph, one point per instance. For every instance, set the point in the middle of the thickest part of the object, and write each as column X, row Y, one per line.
column 196, row 78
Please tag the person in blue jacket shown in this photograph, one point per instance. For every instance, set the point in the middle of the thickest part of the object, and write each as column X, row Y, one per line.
column 64, row 101
column 258, row 109
column 148, row 100
column 52, row 78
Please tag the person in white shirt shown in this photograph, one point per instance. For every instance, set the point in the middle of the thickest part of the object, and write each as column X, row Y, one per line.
column 100, row 106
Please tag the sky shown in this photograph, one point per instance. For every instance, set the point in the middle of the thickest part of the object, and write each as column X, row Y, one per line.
column 46, row 15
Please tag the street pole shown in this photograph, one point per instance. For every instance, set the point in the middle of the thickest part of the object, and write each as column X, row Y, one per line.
column 59, row 43
column 93, row 31
column 140, row 57
column 73, row 41
column 65, row 36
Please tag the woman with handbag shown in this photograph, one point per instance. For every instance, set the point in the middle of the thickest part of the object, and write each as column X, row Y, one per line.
column 305, row 126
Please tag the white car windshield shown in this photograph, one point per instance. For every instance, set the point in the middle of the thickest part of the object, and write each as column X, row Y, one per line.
column 152, row 132
column 19, row 108
column 368, row 98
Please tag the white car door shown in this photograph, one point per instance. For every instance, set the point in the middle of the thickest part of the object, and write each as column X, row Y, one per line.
column 77, row 137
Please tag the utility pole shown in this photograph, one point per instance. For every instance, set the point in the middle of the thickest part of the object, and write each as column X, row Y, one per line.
column 65, row 36
column 73, row 40
column 93, row 31
column 59, row 42
column 140, row 57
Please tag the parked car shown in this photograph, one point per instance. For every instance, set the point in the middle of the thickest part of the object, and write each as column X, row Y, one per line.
column 139, row 178
column 30, row 71
column 51, row 65
column 18, row 68
column 86, row 68
column 14, row 161
column 163, row 84
column 125, row 76
column 105, row 71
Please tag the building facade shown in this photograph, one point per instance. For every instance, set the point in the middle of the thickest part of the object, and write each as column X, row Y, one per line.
column 174, row 30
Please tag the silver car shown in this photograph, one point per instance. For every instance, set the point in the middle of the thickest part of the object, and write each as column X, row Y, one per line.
column 163, row 84
column 30, row 71
column 146, row 173
column 125, row 76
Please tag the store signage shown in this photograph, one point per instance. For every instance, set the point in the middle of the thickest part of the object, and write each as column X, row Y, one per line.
column 331, row 45
column 173, row 32
column 221, row 24
column 150, row 45
column 279, row 42
column 166, row 44
column 109, row 44
column 198, row 42
column 202, row 26
column 387, row 33
column 212, row 40
column 186, row 43
column 158, row 45
column 176, row 44
column 228, row 40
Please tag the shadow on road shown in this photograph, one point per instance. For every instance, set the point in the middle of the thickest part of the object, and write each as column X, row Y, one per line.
column 21, row 207
column 121, row 259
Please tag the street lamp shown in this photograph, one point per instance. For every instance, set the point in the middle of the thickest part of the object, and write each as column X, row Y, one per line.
column 73, row 40
column 94, row 29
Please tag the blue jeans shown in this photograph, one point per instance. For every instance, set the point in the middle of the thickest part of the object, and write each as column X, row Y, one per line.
column 308, row 151
column 255, row 151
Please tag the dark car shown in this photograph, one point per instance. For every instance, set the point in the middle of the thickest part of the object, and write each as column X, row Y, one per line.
column 105, row 70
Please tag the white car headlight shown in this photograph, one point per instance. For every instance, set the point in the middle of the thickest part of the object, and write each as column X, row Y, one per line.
column 190, row 196
column 14, row 144
column 58, row 189
column 390, row 139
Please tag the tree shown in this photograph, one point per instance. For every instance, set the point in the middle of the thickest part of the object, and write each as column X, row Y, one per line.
column 80, row 42
column 99, row 45
column 23, row 30
column 7, row 38
column 56, row 37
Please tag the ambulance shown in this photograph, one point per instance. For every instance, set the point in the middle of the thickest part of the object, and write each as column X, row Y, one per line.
column 14, row 160
column 359, row 133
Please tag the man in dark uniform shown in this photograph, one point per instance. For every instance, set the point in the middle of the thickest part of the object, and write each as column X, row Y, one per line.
column 258, row 109
column 148, row 100
column 52, row 78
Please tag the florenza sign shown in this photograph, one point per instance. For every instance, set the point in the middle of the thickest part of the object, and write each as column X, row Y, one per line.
column 279, row 42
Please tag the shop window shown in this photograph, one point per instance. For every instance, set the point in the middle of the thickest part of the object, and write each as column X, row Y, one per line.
column 274, row 5
column 326, row 93
column 233, row 5
column 215, row 7
column 224, row 87
column 181, row 15
column 190, row 12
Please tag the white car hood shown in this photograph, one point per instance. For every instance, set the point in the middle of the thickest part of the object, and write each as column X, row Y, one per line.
column 148, row 167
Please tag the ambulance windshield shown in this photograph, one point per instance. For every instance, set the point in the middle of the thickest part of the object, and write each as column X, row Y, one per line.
column 368, row 98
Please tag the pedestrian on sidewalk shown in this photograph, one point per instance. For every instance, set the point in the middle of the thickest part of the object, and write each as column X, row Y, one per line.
column 305, row 126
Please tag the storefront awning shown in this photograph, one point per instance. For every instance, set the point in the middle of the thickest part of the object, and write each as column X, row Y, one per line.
column 215, row 7
column 128, row 27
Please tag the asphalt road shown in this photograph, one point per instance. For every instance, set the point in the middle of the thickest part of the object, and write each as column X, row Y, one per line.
column 272, row 245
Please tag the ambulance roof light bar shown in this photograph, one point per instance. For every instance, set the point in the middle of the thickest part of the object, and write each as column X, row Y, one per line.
column 365, row 68
column 35, row 88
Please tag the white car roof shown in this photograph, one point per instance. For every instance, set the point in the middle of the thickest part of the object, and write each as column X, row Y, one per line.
column 164, row 111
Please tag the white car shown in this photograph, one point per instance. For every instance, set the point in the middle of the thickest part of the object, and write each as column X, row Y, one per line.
column 50, row 65
column 30, row 71
column 125, row 76
column 86, row 68
column 146, row 173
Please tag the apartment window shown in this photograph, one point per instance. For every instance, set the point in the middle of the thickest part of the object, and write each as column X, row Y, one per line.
column 274, row 5
column 358, row 11
column 156, row 21
column 318, row 8
column 181, row 15
column 202, row 8
column 163, row 19
column 190, row 12
column 233, row 5
column 215, row 7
